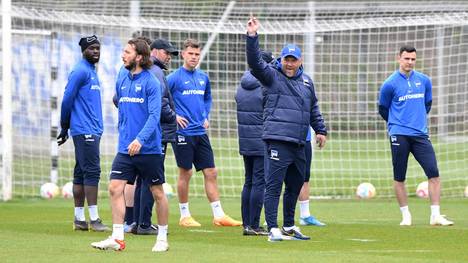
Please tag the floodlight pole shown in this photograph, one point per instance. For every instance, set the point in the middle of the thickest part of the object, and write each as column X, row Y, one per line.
column 7, row 137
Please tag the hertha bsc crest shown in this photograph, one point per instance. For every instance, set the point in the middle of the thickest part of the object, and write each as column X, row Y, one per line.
column 181, row 140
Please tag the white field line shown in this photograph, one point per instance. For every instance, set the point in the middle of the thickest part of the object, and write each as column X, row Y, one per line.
column 202, row 231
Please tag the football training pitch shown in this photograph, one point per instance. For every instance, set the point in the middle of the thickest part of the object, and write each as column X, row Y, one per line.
column 36, row 230
column 336, row 170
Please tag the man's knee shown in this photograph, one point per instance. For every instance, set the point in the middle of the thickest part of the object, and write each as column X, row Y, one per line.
column 210, row 173
column 116, row 187
column 184, row 176
column 158, row 192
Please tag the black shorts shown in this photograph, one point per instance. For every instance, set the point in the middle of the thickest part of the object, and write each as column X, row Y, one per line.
column 193, row 149
column 148, row 166
column 87, row 167
column 422, row 150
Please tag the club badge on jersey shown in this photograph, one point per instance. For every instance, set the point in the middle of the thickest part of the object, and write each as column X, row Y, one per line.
column 181, row 140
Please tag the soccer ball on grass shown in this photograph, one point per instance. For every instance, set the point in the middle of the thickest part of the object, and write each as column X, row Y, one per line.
column 365, row 191
column 67, row 190
column 422, row 191
column 49, row 190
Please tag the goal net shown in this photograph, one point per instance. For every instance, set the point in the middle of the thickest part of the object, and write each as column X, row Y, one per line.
column 349, row 49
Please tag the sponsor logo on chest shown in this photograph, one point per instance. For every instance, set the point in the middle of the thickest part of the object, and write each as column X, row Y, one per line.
column 411, row 97
column 193, row 92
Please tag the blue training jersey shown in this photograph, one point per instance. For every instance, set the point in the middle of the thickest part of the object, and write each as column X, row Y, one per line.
column 191, row 92
column 139, row 104
column 406, row 99
column 81, row 109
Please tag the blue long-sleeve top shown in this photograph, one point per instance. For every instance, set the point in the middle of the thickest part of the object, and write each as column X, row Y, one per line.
column 81, row 109
column 139, row 104
column 191, row 92
column 404, row 102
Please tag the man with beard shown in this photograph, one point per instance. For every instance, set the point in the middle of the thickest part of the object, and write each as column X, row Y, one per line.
column 82, row 113
column 161, row 54
column 290, row 107
column 138, row 94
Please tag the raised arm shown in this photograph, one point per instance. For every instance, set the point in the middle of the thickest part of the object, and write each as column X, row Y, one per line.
column 260, row 69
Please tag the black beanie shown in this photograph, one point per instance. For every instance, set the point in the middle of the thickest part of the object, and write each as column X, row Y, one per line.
column 85, row 42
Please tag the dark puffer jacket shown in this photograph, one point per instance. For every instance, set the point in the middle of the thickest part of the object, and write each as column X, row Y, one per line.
column 250, row 116
column 168, row 115
column 290, row 104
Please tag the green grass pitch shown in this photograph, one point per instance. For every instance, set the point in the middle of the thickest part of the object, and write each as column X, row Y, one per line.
column 336, row 170
column 35, row 230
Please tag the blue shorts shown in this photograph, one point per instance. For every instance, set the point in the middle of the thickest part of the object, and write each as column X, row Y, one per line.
column 193, row 149
column 308, row 158
column 422, row 150
column 87, row 161
column 148, row 166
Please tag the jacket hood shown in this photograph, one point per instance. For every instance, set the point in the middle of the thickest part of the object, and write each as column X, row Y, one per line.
column 249, row 82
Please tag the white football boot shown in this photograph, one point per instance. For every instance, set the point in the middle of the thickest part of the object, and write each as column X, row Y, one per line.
column 109, row 243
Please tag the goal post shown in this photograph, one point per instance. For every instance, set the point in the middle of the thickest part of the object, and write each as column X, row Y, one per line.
column 349, row 49
column 6, row 143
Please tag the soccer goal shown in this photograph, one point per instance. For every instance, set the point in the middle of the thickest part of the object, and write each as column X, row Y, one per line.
column 349, row 49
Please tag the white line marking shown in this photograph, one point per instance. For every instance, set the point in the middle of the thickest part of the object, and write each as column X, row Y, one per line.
column 202, row 231
column 362, row 240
